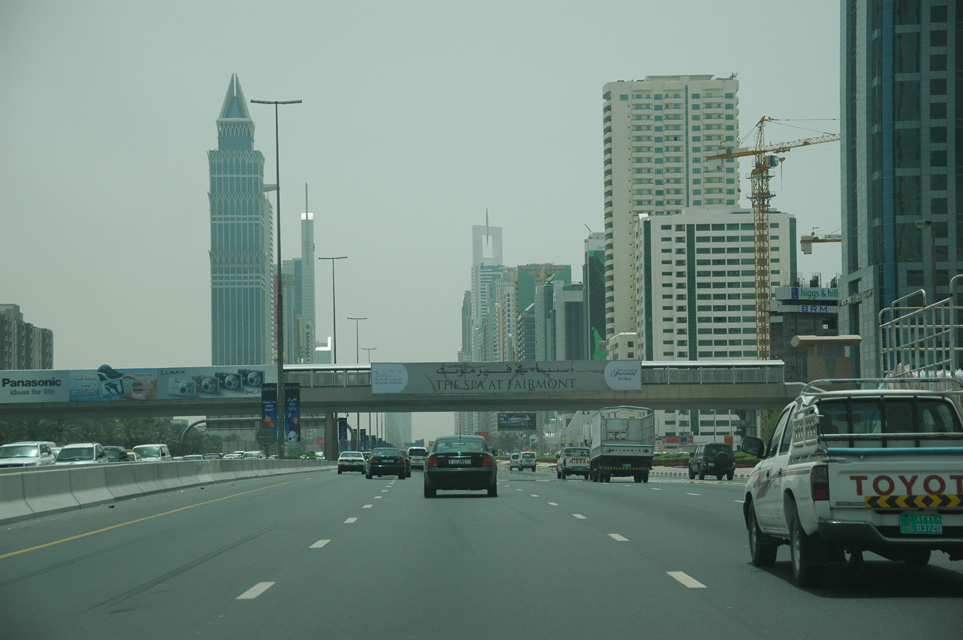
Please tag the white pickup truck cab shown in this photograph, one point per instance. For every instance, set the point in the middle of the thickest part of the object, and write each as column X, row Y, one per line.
column 859, row 465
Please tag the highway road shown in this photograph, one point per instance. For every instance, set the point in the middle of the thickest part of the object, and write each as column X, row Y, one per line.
column 339, row 556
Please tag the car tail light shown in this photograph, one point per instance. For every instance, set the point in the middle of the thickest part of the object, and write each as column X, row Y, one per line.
column 487, row 461
column 819, row 482
column 375, row 460
column 432, row 461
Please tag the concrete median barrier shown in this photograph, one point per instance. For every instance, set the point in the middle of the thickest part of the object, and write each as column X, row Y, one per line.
column 122, row 480
column 89, row 485
column 13, row 503
column 48, row 491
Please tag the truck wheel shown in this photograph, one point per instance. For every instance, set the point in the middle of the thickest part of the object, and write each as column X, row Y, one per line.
column 802, row 550
column 645, row 476
column 761, row 550
column 691, row 474
column 730, row 475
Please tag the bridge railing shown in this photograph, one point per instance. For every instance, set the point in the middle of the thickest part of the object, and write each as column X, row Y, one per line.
column 350, row 375
column 713, row 372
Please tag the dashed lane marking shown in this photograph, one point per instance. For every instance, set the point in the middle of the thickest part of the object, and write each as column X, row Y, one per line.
column 693, row 494
column 686, row 579
column 378, row 497
column 367, row 506
column 618, row 538
column 350, row 520
column 534, row 495
column 319, row 544
column 255, row 591
column 554, row 504
column 578, row 516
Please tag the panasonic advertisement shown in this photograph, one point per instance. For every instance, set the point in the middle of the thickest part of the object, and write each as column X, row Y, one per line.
column 106, row 384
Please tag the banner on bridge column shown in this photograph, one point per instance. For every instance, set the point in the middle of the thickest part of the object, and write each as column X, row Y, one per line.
column 269, row 407
column 506, row 377
column 292, row 412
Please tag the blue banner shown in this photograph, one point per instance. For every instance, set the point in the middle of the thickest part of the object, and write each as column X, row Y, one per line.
column 292, row 412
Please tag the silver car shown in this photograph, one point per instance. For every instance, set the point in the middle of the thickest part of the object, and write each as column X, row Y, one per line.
column 83, row 453
column 27, row 454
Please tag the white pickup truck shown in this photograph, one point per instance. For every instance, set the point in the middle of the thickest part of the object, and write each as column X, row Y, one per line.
column 859, row 465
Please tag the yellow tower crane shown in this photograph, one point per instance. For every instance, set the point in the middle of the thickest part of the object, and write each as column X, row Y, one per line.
column 759, row 178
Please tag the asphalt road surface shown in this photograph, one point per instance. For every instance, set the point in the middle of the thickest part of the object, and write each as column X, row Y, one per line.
column 323, row 555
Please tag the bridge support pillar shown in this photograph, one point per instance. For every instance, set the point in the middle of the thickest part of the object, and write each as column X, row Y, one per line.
column 331, row 436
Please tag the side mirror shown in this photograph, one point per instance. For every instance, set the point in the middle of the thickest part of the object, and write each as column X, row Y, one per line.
column 754, row 446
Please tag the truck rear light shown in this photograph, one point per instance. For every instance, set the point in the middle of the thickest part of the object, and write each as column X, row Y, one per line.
column 819, row 482
column 432, row 461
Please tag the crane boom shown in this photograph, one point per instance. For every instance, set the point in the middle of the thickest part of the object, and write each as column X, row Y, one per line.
column 760, row 198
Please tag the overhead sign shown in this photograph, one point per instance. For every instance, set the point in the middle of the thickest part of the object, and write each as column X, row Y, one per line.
column 106, row 384
column 516, row 421
column 506, row 377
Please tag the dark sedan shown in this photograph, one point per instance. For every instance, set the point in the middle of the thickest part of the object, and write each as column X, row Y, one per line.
column 461, row 463
column 386, row 462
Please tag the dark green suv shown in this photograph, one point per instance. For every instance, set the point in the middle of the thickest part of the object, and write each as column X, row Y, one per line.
column 714, row 459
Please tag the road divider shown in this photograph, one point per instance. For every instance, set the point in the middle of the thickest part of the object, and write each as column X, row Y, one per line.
column 36, row 492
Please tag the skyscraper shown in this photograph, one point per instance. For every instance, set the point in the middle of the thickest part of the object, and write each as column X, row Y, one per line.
column 657, row 134
column 242, row 275
column 900, row 105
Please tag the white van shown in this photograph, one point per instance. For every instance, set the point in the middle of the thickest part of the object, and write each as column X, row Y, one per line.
column 153, row 453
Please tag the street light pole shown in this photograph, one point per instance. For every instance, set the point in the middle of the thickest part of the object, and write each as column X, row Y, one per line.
column 280, row 404
column 369, row 350
column 357, row 359
column 334, row 311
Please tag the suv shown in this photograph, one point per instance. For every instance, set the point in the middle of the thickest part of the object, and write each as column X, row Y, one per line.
column 514, row 462
column 417, row 455
column 714, row 459
column 526, row 461
column 27, row 454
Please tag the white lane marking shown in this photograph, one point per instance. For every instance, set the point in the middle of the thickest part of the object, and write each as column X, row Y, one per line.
column 618, row 538
column 350, row 520
column 378, row 497
column 739, row 501
column 655, row 488
column 367, row 506
column 693, row 494
column 517, row 489
column 554, row 504
column 384, row 491
column 534, row 495
column 319, row 544
column 255, row 591
column 686, row 579
column 578, row 515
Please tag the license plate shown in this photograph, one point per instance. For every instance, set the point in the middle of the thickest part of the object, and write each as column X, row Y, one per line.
column 921, row 523
column 454, row 461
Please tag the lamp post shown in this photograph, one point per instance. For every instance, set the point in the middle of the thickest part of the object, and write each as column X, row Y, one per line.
column 334, row 311
column 281, row 409
column 357, row 359
column 369, row 350
column 927, row 225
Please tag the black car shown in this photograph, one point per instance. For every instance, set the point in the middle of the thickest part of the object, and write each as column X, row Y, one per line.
column 713, row 459
column 387, row 462
column 461, row 463
column 116, row 454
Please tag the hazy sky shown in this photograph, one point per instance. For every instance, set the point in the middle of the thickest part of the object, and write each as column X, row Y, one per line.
column 418, row 116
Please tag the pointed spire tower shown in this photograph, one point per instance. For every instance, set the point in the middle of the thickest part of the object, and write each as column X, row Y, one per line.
column 242, row 268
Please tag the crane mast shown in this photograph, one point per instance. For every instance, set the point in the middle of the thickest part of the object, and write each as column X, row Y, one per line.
column 764, row 160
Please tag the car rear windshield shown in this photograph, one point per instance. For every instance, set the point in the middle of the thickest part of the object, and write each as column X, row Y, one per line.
column 528, row 454
column 576, row 452
column 460, row 445
column 76, row 453
column 887, row 415
column 417, row 452
column 712, row 449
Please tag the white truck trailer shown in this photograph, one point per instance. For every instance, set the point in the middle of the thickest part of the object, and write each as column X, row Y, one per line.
column 859, row 465
column 623, row 439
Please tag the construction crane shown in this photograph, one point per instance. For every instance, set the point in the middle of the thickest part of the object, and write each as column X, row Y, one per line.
column 806, row 242
column 765, row 159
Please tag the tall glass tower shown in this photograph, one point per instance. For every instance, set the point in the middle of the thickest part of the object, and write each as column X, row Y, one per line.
column 901, row 101
column 242, row 275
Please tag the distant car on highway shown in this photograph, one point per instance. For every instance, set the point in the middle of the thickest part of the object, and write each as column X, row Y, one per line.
column 573, row 461
column 386, row 462
column 116, row 454
column 351, row 461
column 212, row 456
column 527, row 460
column 461, row 463
column 193, row 456
column 31, row 453
column 82, row 453
column 514, row 462
column 153, row 452
column 417, row 455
